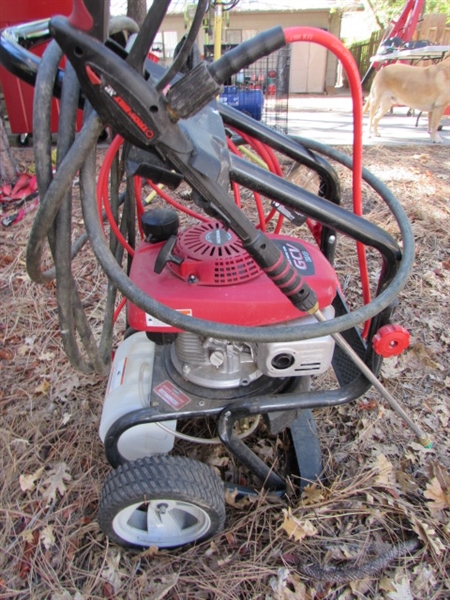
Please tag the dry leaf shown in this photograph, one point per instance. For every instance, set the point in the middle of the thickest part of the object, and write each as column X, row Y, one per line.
column 428, row 535
column 42, row 388
column 149, row 552
column 439, row 499
column 28, row 536
column 360, row 587
column 406, row 482
column 423, row 579
column 264, row 449
column 23, row 350
column 161, row 587
column 26, row 482
column 112, row 573
column 402, row 590
column 66, row 418
column 55, row 482
column 297, row 528
column 212, row 549
column 385, row 470
column 244, row 502
column 312, row 494
column 63, row 388
column 386, row 584
column 218, row 461
column 47, row 537
column 439, row 471
column 282, row 592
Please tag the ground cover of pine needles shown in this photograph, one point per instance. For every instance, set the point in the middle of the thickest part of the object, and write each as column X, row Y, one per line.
column 381, row 489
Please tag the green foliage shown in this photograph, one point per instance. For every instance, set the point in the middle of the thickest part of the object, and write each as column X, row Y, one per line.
column 386, row 10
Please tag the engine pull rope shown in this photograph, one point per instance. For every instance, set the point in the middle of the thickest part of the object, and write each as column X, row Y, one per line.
column 309, row 34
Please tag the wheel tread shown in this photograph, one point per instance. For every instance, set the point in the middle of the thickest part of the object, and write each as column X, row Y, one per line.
column 160, row 476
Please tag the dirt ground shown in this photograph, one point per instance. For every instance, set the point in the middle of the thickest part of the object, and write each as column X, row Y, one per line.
column 381, row 488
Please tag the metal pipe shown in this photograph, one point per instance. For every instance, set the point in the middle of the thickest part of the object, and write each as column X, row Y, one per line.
column 218, row 30
column 424, row 439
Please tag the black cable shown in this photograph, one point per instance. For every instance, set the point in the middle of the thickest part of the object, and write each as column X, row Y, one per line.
column 66, row 291
column 145, row 38
column 185, row 50
column 226, row 4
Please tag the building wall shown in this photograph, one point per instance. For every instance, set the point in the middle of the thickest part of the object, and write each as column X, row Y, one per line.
column 313, row 69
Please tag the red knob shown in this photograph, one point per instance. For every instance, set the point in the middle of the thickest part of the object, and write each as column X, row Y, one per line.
column 390, row 340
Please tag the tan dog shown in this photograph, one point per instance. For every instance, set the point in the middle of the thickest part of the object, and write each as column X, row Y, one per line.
column 423, row 88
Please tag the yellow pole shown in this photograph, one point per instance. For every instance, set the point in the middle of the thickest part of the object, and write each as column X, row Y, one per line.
column 218, row 30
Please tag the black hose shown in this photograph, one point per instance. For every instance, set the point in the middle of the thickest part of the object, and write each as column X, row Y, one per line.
column 185, row 50
column 150, row 27
column 80, row 156
column 66, row 292
column 270, row 333
column 53, row 220
column 54, row 194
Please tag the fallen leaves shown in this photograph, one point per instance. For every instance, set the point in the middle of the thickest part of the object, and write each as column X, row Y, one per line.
column 112, row 572
column 312, row 494
column 287, row 586
column 352, row 512
column 48, row 537
column 296, row 528
column 428, row 535
column 439, row 498
column 27, row 482
column 54, row 482
column 42, row 388
column 401, row 590
column 237, row 500
column 385, row 471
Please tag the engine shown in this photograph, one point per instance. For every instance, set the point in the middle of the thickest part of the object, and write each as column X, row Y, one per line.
column 204, row 271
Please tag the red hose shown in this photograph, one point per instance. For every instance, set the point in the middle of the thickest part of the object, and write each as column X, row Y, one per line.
column 119, row 309
column 102, row 192
column 176, row 204
column 257, row 196
column 317, row 36
column 139, row 204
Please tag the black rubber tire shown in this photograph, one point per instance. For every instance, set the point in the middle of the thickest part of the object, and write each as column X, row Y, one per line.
column 174, row 479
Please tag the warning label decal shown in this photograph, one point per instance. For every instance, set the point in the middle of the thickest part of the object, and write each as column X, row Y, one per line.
column 171, row 395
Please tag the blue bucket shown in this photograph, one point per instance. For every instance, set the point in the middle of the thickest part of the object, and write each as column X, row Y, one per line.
column 250, row 102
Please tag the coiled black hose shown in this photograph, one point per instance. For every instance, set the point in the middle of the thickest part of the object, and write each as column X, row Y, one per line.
column 53, row 222
column 54, row 219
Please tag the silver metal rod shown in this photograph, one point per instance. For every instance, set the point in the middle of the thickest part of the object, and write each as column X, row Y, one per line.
column 424, row 439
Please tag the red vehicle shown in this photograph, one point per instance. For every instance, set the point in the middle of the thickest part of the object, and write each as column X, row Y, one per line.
column 17, row 93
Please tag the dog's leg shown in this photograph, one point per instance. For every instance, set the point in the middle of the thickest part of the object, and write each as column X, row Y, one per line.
column 434, row 117
column 384, row 105
column 368, row 107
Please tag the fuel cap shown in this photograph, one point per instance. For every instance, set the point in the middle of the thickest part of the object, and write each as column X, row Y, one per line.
column 391, row 340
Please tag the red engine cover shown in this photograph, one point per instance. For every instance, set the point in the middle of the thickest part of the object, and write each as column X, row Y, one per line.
column 219, row 281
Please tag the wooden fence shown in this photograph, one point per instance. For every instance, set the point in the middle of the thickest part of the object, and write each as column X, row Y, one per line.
column 362, row 51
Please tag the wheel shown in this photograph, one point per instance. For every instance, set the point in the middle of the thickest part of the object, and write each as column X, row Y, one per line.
column 164, row 501
column 23, row 139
